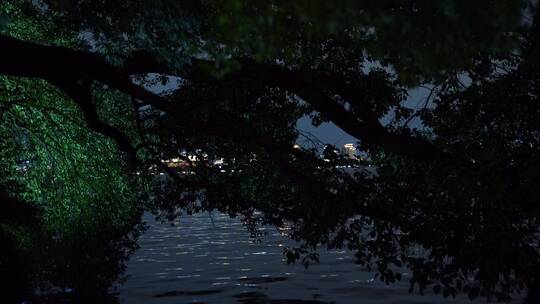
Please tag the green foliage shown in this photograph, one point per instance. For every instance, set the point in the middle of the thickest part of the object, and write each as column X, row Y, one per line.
column 77, row 178
column 73, row 171
column 419, row 39
column 89, row 205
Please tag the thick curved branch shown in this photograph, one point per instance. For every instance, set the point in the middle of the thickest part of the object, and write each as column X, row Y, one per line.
column 82, row 96
column 55, row 63
column 317, row 88
column 52, row 63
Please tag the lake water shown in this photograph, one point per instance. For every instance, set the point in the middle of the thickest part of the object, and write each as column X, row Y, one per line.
column 210, row 258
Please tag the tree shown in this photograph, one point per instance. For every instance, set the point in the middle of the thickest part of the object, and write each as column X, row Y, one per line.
column 70, row 216
column 459, row 187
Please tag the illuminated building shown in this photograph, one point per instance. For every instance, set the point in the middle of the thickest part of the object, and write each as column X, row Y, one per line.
column 349, row 150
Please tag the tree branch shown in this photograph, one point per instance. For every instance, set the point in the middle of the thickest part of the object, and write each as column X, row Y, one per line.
column 82, row 96
column 54, row 63
column 317, row 88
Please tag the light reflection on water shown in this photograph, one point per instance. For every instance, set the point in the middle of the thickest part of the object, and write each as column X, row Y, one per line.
column 207, row 258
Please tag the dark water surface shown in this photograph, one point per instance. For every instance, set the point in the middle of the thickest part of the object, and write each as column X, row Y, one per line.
column 210, row 258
